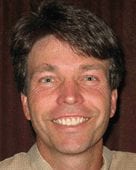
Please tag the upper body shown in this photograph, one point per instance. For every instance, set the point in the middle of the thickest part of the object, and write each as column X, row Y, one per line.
column 68, row 66
column 112, row 160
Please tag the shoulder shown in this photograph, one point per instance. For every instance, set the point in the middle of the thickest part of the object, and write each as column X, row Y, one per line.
column 32, row 160
column 123, row 160
column 118, row 160
column 124, row 156
column 19, row 161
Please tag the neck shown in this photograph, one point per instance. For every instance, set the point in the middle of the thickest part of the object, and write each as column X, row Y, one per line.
column 90, row 159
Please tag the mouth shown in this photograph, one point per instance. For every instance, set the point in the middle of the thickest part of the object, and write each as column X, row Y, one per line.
column 71, row 121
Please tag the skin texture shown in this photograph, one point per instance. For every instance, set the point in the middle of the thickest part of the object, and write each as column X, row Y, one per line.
column 64, row 84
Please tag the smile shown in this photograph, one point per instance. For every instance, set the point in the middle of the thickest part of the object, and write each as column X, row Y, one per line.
column 71, row 121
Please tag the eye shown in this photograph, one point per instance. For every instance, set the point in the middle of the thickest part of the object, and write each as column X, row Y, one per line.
column 90, row 78
column 47, row 80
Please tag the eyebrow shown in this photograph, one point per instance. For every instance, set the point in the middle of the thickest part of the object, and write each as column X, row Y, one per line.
column 92, row 67
column 44, row 67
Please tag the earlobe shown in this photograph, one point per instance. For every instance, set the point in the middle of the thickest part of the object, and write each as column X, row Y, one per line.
column 24, row 102
column 114, row 97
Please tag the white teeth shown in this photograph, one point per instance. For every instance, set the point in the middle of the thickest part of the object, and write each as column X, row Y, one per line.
column 72, row 121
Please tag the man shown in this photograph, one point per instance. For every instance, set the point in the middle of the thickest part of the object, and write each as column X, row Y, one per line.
column 68, row 66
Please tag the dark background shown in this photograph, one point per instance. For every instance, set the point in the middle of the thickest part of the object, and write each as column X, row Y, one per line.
column 15, row 132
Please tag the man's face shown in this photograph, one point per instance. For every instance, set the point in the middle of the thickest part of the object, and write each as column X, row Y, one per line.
column 69, row 100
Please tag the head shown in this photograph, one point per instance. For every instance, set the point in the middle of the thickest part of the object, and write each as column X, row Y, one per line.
column 84, row 68
column 81, row 29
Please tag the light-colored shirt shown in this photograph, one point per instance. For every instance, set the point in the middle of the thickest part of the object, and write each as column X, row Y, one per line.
column 32, row 160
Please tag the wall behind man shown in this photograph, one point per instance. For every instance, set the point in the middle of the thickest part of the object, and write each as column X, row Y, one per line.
column 15, row 132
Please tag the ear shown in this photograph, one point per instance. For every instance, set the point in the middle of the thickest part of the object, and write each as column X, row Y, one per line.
column 24, row 102
column 114, row 96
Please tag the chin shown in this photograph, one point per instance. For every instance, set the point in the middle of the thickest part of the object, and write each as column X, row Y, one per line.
column 73, row 147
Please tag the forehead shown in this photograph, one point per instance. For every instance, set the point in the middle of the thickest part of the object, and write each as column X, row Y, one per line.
column 52, row 51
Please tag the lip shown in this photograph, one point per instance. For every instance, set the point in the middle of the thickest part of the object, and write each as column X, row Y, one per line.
column 66, row 113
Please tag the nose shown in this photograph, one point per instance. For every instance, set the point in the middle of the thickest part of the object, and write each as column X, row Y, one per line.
column 70, row 94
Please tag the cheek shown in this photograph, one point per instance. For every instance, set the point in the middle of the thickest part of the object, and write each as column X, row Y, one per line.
column 39, row 108
column 40, row 100
column 99, row 100
column 98, row 96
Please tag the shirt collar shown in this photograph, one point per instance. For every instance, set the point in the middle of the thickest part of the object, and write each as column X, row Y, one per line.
column 107, row 158
column 37, row 160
